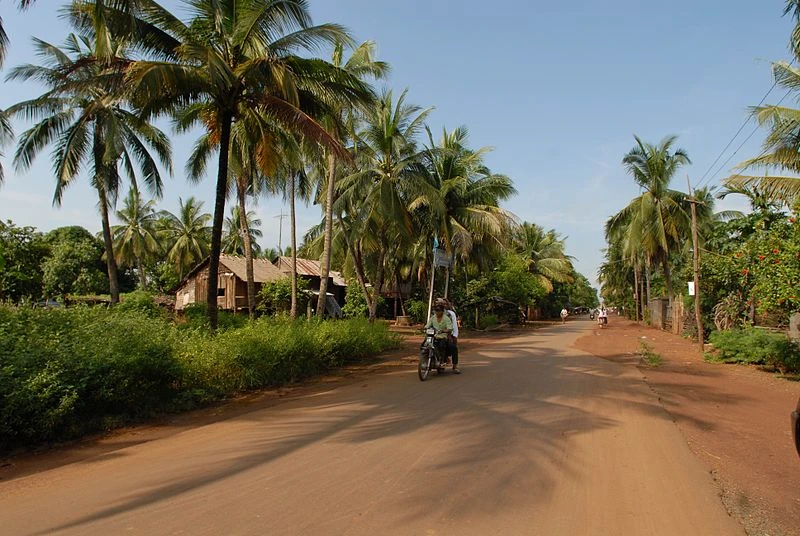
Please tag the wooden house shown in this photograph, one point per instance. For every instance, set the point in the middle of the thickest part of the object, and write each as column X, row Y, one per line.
column 231, row 283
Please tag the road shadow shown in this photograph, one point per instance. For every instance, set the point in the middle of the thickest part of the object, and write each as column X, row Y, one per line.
column 497, row 408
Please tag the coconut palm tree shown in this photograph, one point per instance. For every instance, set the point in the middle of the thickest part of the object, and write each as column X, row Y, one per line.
column 362, row 65
column 658, row 220
column 461, row 196
column 234, row 56
column 387, row 176
column 235, row 233
column 136, row 238
column 83, row 114
column 6, row 135
column 188, row 234
column 544, row 253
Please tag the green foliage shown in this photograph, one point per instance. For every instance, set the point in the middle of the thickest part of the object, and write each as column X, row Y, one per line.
column 355, row 306
column 67, row 372
column 757, row 347
column 489, row 321
column 22, row 250
column 275, row 297
column 648, row 357
column 75, row 264
column 141, row 302
column 196, row 315
column 417, row 309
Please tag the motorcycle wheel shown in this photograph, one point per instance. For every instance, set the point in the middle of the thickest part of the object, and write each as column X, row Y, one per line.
column 424, row 368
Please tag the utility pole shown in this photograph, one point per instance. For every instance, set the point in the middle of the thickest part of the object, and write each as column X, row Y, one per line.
column 696, row 254
column 280, row 217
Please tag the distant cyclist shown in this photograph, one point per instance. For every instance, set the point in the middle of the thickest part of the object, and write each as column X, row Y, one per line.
column 564, row 315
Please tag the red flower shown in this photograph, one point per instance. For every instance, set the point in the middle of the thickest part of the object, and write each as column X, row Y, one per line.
column 745, row 271
column 738, row 255
column 761, row 257
column 776, row 251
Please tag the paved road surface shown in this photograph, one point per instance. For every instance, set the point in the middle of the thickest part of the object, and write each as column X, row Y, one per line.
column 534, row 438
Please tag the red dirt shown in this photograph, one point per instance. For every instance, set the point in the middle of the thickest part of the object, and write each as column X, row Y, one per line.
column 735, row 419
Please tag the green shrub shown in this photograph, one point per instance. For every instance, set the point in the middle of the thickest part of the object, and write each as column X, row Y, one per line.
column 69, row 371
column 417, row 309
column 757, row 347
column 140, row 301
column 196, row 315
column 648, row 357
column 489, row 321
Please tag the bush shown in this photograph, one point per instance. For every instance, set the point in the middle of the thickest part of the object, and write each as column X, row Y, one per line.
column 196, row 315
column 417, row 309
column 67, row 372
column 489, row 321
column 757, row 347
column 140, row 301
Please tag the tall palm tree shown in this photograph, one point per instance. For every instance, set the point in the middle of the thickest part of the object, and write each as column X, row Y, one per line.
column 84, row 115
column 188, row 234
column 136, row 238
column 232, row 57
column 236, row 234
column 658, row 220
column 544, row 253
column 362, row 65
column 387, row 176
column 462, row 196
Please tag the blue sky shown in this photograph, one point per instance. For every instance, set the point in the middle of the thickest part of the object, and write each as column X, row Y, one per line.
column 557, row 88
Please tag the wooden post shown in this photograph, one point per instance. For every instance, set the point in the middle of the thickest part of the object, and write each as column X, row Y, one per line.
column 696, row 255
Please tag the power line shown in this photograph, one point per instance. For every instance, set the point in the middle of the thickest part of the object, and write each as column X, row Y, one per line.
column 739, row 131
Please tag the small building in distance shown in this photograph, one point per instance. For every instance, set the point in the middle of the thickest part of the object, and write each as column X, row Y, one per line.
column 309, row 271
column 231, row 283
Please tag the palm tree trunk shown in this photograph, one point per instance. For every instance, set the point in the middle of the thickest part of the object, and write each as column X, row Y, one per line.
column 292, row 217
column 241, row 191
column 647, row 281
column 219, row 217
column 636, row 296
column 668, row 278
column 376, row 289
column 111, row 262
column 325, row 263
column 358, row 264
column 142, row 277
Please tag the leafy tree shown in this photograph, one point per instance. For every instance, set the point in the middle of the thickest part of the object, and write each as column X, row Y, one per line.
column 74, row 265
column 21, row 250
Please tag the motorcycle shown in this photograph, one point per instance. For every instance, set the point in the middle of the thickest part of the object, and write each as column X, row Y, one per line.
column 602, row 321
column 591, row 314
column 430, row 357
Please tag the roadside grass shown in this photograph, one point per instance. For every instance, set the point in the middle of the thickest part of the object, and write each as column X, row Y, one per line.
column 648, row 357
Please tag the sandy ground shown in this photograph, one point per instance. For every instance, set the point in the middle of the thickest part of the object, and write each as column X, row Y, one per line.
column 734, row 418
column 535, row 437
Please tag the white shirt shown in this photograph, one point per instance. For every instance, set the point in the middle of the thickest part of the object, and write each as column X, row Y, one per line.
column 452, row 315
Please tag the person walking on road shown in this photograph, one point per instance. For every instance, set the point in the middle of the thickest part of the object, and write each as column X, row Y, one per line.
column 564, row 315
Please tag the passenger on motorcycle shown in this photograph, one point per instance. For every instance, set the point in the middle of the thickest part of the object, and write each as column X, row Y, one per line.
column 443, row 326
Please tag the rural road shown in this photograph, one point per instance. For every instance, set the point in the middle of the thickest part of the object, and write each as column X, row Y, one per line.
column 534, row 438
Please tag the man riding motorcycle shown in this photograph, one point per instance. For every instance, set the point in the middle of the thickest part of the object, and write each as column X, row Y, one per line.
column 443, row 326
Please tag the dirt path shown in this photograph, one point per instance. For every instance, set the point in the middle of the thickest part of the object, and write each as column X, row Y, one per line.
column 534, row 438
column 736, row 419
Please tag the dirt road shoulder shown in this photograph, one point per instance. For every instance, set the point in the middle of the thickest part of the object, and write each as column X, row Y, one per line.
column 734, row 418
